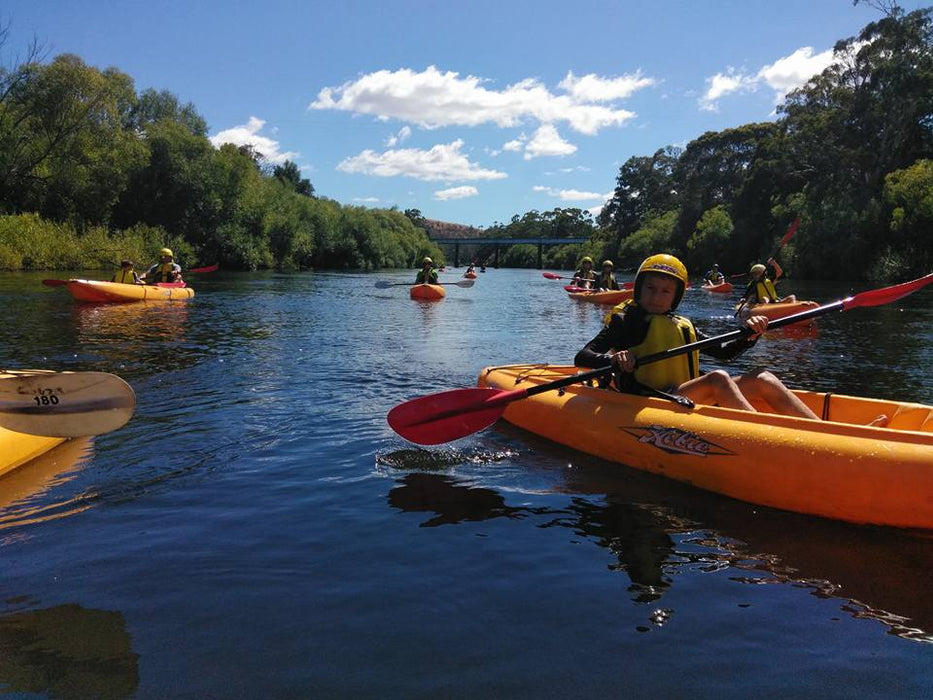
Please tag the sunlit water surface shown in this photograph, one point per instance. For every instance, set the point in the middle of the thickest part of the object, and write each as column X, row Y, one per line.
column 257, row 529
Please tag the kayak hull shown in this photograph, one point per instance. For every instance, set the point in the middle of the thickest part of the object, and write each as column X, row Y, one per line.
column 470, row 275
column 777, row 310
column 838, row 468
column 723, row 288
column 100, row 292
column 427, row 292
column 610, row 297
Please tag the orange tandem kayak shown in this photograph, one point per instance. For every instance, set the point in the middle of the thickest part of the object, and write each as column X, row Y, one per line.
column 427, row 292
column 101, row 292
column 839, row 467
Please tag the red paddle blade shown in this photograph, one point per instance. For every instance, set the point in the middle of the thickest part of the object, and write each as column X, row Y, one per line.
column 885, row 295
column 209, row 268
column 449, row 415
column 552, row 276
column 791, row 231
column 54, row 283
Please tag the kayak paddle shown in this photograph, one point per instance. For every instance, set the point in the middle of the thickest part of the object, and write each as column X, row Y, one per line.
column 571, row 288
column 62, row 283
column 460, row 283
column 64, row 404
column 209, row 268
column 792, row 229
column 450, row 415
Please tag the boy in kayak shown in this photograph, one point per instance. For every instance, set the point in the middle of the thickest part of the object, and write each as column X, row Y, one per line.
column 647, row 324
column 126, row 274
column 584, row 277
column 714, row 275
column 607, row 280
column 427, row 274
column 166, row 270
column 760, row 288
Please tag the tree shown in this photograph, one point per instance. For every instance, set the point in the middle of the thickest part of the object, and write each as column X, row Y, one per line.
column 645, row 185
column 710, row 239
column 290, row 175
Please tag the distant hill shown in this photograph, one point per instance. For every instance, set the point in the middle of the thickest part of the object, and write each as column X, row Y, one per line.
column 445, row 229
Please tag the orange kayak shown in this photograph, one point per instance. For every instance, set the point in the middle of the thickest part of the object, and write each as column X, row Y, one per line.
column 776, row 310
column 721, row 288
column 612, row 296
column 101, row 292
column 839, row 467
column 427, row 292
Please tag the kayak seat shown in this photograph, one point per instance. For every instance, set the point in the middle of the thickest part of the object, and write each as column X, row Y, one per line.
column 913, row 418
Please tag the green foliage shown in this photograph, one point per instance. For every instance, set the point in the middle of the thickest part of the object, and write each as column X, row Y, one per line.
column 910, row 194
column 653, row 237
column 521, row 255
column 711, row 237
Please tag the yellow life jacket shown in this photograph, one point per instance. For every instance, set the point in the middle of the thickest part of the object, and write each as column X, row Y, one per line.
column 766, row 291
column 163, row 273
column 124, row 276
column 664, row 332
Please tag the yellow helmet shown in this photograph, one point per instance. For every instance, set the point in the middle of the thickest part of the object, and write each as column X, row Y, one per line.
column 663, row 264
column 608, row 262
column 166, row 253
column 588, row 259
column 427, row 261
column 757, row 269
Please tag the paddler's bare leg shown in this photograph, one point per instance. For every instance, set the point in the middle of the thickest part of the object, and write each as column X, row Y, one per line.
column 715, row 388
column 761, row 384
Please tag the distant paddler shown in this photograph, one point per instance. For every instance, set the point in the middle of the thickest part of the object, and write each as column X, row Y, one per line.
column 607, row 280
column 584, row 277
column 126, row 274
column 427, row 274
column 166, row 270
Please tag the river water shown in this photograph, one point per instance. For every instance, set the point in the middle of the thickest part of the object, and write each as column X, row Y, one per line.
column 257, row 529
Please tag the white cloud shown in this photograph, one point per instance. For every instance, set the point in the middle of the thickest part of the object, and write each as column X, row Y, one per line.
column 456, row 193
column 592, row 88
column 784, row 75
column 725, row 84
column 248, row 135
column 400, row 137
column 441, row 162
column 574, row 195
column 790, row 72
column 547, row 142
column 366, row 200
column 515, row 145
column 432, row 99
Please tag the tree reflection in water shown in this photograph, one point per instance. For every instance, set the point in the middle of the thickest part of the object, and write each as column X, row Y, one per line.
column 660, row 530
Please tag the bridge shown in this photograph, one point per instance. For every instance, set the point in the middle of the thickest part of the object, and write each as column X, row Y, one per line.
column 497, row 242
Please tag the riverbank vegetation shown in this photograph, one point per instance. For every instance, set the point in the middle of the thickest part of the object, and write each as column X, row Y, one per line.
column 91, row 170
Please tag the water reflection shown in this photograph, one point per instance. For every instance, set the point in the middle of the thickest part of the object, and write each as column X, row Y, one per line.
column 67, row 651
column 658, row 531
column 24, row 491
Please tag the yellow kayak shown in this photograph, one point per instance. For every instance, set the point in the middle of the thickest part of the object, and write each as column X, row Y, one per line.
column 100, row 292
column 18, row 448
column 839, row 467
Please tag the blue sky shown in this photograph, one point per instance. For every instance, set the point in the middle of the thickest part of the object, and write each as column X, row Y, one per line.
column 471, row 112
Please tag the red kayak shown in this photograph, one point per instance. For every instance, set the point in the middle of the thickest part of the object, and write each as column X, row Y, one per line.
column 721, row 288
